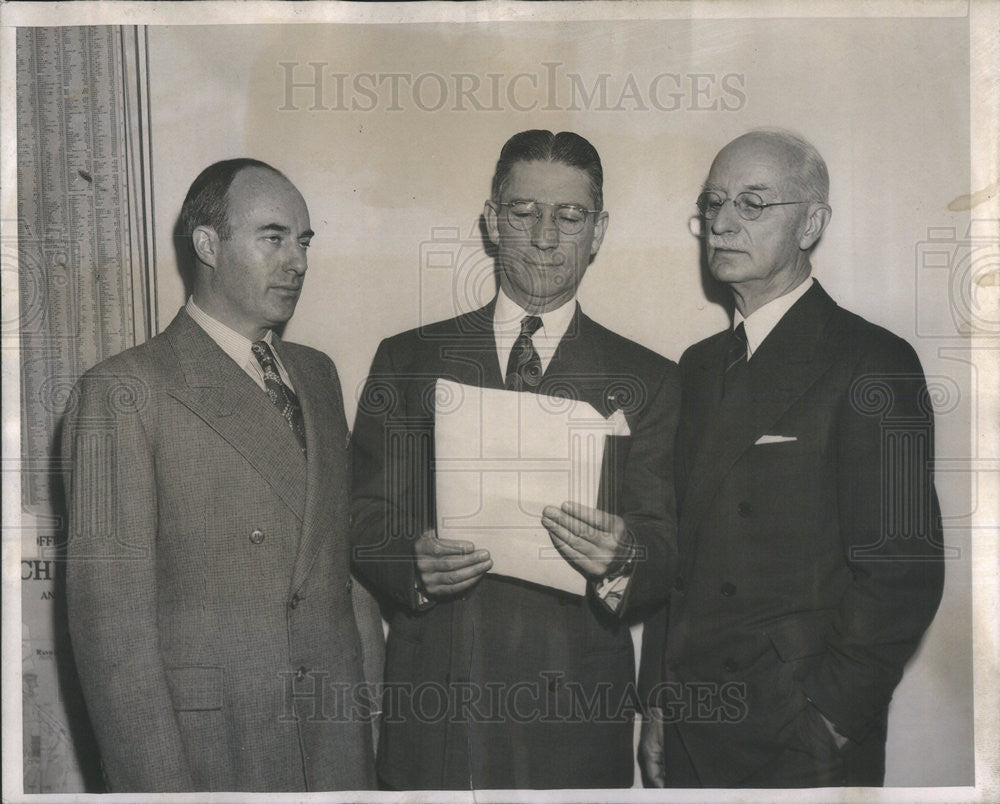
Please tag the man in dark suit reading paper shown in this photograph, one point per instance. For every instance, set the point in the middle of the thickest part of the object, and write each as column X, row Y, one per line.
column 493, row 682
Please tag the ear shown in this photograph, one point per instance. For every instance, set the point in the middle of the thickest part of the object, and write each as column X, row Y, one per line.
column 600, row 227
column 206, row 244
column 817, row 218
column 492, row 227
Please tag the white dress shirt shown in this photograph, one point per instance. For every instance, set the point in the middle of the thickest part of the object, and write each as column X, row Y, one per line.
column 235, row 345
column 507, row 316
column 760, row 322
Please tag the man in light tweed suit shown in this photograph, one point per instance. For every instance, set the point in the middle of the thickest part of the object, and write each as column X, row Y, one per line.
column 218, row 636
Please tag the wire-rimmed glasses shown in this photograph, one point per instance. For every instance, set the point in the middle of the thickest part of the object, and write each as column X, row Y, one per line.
column 748, row 205
column 523, row 214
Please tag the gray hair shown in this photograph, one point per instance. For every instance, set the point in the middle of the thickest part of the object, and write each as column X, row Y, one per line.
column 813, row 178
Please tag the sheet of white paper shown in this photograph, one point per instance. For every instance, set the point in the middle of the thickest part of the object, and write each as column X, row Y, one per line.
column 500, row 458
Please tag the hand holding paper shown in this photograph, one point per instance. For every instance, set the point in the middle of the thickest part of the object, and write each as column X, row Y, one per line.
column 588, row 538
column 501, row 458
column 448, row 567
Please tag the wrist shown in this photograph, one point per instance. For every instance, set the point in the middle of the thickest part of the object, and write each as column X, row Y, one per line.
column 622, row 564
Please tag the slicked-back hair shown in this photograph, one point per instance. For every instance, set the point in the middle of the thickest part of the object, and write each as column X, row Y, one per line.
column 539, row 145
column 207, row 200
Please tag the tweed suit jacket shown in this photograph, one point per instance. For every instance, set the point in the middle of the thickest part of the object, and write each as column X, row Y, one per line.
column 810, row 542
column 210, row 603
column 534, row 684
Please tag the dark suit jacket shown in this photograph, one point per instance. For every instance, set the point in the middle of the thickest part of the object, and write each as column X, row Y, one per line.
column 809, row 569
column 512, row 651
column 208, row 574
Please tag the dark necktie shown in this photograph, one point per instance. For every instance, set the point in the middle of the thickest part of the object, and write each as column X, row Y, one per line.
column 736, row 359
column 282, row 396
column 524, row 366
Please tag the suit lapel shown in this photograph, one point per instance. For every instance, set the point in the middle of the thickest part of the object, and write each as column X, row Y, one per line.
column 471, row 352
column 789, row 361
column 702, row 392
column 221, row 394
column 580, row 367
column 326, row 470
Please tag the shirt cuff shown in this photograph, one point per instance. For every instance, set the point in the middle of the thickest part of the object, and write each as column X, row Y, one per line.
column 611, row 591
column 612, row 587
column 423, row 602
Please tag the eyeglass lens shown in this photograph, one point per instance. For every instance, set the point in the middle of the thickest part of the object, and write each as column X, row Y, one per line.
column 523, row 215
column 748, row 205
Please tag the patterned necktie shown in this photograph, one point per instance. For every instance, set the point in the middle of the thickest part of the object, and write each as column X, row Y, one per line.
column 282, row 396
column 736, row 359
column 524, row 366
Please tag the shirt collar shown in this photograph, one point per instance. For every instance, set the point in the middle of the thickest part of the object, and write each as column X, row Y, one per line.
column 507, row 315
column 229, row 340
column 760, row 322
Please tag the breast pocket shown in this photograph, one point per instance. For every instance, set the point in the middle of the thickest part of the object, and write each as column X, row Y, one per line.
column 787, row 478
column 775, row 446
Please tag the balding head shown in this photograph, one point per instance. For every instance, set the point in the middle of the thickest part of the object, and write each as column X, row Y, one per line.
column 764, row 207
column 805, row 169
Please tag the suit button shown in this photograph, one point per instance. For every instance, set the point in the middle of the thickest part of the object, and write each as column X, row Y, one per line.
column 728, row 589
column 730, row 666
column 349, row 585
column 301, row 673
column 294, row 602
column 257, row 536
column 744, row 509
column 679, row 583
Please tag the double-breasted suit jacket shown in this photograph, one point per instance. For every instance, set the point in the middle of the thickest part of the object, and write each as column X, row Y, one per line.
column 210, row 601
column 511, row 684
column 810, row 543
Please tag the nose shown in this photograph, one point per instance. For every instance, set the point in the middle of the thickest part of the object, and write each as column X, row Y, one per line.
column 296, row 261
column 544, row 233
column 727, row 220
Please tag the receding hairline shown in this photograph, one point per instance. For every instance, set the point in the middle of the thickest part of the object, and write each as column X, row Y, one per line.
column 264, row 170
column 811, row 173
column 243, row 175
column 207, row 200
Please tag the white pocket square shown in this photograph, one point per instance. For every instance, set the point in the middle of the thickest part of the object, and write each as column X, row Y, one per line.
column 774, row 439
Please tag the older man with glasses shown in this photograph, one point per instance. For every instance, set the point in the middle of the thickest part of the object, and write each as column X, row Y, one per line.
column 809, row 532
column 492, row 682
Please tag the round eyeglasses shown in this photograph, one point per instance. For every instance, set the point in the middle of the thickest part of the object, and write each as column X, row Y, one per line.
column 748, row 205
column 569, row 219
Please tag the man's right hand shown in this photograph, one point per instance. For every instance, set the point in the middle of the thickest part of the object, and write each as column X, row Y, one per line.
column 651, row 760
column 447, row 567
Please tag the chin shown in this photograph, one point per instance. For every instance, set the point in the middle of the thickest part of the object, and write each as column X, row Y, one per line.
column 728, row 268
column 279, row 317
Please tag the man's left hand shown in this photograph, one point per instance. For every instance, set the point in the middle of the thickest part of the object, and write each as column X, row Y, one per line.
column 590, row 539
